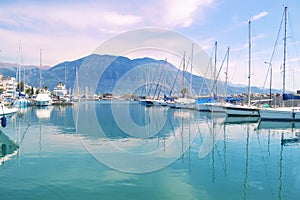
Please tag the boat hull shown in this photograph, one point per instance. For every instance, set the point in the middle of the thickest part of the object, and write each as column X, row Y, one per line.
column 241, row 111
column 280, row 114
column 147, row 102
column 43, row 103
column 215, row 107
column 8, row 112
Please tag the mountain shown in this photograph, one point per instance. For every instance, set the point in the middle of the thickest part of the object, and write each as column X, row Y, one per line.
column 120, row 75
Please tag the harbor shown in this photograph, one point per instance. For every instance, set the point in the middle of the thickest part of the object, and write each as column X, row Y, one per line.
column 215, row 156
column 151, row 100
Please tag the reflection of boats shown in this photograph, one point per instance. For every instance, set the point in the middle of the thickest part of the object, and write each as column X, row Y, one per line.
column 278, row 125
column 240, row 120
column 8, row 148
column 290, row 141
column 43, row 99
column 139, row 134
column 43, row 113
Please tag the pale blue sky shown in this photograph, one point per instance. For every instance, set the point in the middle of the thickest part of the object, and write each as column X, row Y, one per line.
column 72, row 29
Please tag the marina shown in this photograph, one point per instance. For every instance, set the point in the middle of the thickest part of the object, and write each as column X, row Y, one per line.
column 210, row 155
column 171, row 100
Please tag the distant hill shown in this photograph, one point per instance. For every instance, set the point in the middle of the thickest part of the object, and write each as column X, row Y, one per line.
column 133, row 74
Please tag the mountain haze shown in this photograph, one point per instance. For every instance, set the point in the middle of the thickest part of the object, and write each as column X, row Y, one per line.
column 120, row 75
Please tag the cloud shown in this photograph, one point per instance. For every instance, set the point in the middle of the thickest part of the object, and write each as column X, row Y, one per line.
column 73, row 27
column 182, row 13
column 259, row 16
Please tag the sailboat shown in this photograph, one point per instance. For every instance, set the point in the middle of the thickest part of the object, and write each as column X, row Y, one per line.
column 21, row 101
column 281, row 113
column 184, row 102
column 217, row 105
column 43, row 98
column 244, row 110
column 76, row 95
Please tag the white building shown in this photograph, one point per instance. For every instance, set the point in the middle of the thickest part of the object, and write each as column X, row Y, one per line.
column 8, row 86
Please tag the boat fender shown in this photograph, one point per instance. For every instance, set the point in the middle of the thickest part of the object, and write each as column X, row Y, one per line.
column 3, row 122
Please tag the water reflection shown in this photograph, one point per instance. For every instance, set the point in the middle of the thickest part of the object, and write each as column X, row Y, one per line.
column 241, row 120
column 8, row 148
column 205, row 152
column 278, row 125
column 130, row 137
column 43, row 112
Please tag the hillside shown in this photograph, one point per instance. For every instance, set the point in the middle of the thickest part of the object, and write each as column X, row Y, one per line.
column 119, row 75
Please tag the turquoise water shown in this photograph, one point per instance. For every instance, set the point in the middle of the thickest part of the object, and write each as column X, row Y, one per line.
column 179, row 155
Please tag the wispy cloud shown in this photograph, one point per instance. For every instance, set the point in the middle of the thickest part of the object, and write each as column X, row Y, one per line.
column 244, row 22
column 183, row 13
column 259, row 16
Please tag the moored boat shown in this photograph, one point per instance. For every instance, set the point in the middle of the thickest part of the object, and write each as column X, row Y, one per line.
column 7, row 111
column 282, row 113
column 43, row 99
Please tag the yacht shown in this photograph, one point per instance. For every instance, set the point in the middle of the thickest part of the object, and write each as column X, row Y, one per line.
column 43, row 99
column 60, row 90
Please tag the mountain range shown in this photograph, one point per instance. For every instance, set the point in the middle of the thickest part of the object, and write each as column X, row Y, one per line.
column 118, row 74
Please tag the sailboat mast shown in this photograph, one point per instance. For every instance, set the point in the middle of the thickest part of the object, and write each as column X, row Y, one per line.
column 215, row 70
column 249, row 67
column 284, row 49
column 19, row 68
column 183, row 75
column 191, row 77
column 40, row 68
column 226, row 73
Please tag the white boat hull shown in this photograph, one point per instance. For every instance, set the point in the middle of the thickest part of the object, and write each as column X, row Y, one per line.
column 202, row 107
column 242, row 111
column 43, row 103
column 184, row 103
column 8, row 112
column 280, row 114
column 159, row 103
column 215, row 107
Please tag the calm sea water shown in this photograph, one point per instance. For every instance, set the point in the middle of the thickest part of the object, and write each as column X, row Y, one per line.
column 127, row 151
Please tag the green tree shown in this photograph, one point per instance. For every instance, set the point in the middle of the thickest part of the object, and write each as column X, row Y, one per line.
column 28, row 91
column 20, row 86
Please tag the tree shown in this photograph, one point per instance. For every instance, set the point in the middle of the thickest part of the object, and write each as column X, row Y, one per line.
column 20, row 86
column 28, row 91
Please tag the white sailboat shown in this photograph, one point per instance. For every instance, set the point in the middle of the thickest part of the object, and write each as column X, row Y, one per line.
column 218, row 106
column 43, row 98
column 7, row 111
column 244, row 110
column 184, row 102
column 281, row 113
column 20, row 101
